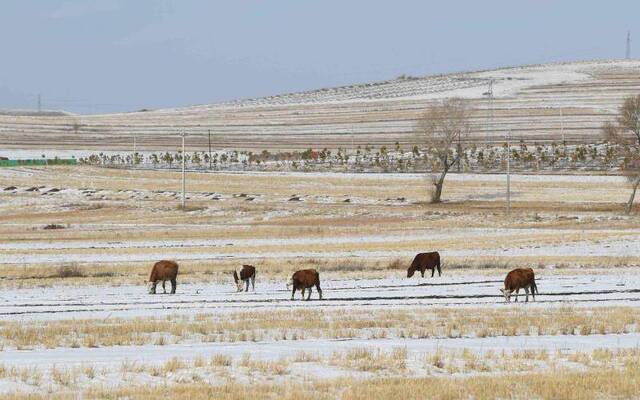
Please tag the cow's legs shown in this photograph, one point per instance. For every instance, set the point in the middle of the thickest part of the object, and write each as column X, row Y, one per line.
column 164, row 289
column 309, row 295
column 533, row 292
column 246, row 289
column 517, row 291
column 526, row 291
column 153, row 287
column 174, row 285
column 253, row 282
column 433, row 271
column 319, row 290
column 422, row 272
column 439, row 270
column 293, row 292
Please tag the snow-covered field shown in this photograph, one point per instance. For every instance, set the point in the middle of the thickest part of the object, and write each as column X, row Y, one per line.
column 446, row 291
column 75, row 315
column 292, row 357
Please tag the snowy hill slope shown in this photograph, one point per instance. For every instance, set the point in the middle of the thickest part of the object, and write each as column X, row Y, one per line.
column 536, row 103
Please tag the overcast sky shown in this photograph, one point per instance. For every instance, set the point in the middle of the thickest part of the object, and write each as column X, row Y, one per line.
column 120, row 55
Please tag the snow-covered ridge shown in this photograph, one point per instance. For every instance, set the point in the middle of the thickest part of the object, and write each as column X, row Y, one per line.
column 550, row 102
column 506, row 82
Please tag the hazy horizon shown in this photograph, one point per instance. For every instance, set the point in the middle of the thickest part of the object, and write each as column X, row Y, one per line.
column 111, row 56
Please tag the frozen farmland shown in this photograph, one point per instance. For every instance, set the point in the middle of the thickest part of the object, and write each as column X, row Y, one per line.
column 78, row 243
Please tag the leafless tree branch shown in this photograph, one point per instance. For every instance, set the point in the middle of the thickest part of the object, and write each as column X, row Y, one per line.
column 443, row 127
column 628, row 121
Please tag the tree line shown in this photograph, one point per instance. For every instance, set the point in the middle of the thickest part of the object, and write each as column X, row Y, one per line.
column 443, row 132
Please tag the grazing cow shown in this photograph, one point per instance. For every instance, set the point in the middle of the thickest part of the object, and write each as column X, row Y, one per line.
column 520, row 278
column 305, row 279
column 423, row 261
column 163, row 271
column 247, row 273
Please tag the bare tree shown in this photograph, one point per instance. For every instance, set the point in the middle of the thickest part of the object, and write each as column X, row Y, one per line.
column 627, row 133
column 443, row 127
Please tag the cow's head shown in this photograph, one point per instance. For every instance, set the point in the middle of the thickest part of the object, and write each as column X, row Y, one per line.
column 410, row 272
column 507, row 294
column 151, row 287
column 237, row 281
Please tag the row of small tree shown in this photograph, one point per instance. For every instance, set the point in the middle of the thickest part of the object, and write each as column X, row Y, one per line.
column 475, row 158
column 168, row 159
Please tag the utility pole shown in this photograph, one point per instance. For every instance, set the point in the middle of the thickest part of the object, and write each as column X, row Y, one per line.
column 133, row 157
column 459, row 151
column 183, row 134
column 627, row 54
column 508, row 173
column 562, row 127
column 353, row 147
column 492, row 121
column 489, row 94
column 209, row 149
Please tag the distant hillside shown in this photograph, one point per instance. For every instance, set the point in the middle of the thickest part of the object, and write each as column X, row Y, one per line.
column 31, row 113
column 536, row 103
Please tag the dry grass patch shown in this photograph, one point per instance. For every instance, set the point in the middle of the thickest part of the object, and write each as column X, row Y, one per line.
column 265, row 367
column 69, row 271
column 173, row 365
column 558, row 383
column 367, row 360
column 305, row 357
column 327, row 324
column 220, row 360
column 478, row 375
column 190, row 208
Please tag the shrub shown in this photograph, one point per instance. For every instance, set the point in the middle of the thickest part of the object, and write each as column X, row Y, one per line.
column 69, row 271
column 53, row 226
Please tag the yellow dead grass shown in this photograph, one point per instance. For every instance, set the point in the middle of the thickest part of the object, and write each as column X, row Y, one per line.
column 308, row 324
column 558, row 383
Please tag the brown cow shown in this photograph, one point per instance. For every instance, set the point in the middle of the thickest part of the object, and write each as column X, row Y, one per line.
column 423, row 261
column 247, row 273
column 163, row 271
column 305, row 279
column 520, row 278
